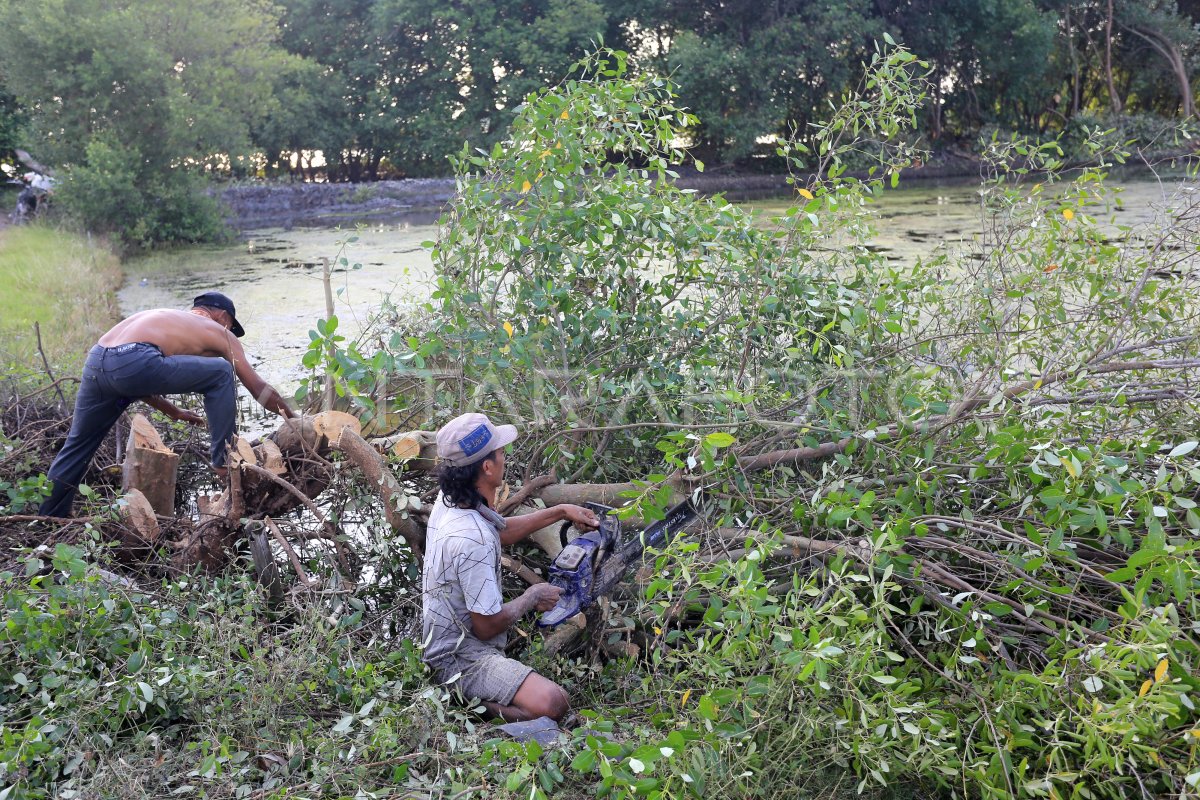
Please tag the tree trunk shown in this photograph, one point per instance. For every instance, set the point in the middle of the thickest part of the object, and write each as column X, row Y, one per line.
column 1113, row 97
column 293, row 457
column 302, row 448
column 139, row 517
column 1074, row 64
column 397, row 508
column 150, row 467
column 1170, row 51
column 417, row 450
column 936, row 133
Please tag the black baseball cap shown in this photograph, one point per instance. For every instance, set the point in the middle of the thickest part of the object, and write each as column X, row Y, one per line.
column 221, row 303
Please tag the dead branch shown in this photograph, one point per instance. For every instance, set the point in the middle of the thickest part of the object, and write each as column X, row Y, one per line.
column 309, row 504
column 395, row 503
column 62, row 400
column 518, row 568
column 531, row 487
column 287, row 548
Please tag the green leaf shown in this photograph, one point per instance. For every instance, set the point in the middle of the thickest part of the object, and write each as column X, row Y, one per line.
column 1182, row 449
column 584, row 762
column 886, row 680
column 1142, row 557
column 840, row 515
column 1122, row 575
column 719, row 439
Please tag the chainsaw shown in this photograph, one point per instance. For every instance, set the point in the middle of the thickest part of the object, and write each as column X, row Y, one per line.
column 591, row 564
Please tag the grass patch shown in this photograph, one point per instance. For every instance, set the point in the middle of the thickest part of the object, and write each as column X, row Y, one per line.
column 61, row 281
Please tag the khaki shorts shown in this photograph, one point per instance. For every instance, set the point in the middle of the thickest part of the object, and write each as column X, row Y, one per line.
column 493, row 677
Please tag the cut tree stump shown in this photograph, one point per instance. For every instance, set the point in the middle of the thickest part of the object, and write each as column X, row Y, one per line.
column 330, row 424
column 240, row 451
column 417, row 450
column 138, row 515
column 150, row 466
column 270, row 457
column 302, row 449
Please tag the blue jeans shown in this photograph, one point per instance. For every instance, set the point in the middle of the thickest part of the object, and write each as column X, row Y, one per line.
column 114, row 377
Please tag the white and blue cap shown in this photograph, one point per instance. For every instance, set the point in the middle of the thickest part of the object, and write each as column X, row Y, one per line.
column 469, row 438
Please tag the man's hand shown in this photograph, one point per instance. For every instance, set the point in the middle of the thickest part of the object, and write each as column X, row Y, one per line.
column 539, row 597
column 173, row 411
column 544, row 596
column 580, row 517
column 191, row 418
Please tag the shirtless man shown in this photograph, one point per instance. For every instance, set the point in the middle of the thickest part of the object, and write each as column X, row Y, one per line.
column 150, row 354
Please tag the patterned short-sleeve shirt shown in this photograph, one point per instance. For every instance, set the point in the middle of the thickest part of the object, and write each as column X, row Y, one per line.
column 461, row 575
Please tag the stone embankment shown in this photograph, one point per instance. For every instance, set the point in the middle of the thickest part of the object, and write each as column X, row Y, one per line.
column 266, row 205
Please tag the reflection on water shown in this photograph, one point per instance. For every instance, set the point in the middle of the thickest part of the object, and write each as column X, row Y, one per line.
column 274, row 276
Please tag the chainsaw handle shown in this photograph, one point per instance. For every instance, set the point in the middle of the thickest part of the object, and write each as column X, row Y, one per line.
column 600, row 510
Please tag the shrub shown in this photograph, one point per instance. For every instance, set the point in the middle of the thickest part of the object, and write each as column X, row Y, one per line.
column 100, row 685
column 111, row 192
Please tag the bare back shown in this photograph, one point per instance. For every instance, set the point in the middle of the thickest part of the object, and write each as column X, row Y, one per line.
column 195, row 333
column 175, row 333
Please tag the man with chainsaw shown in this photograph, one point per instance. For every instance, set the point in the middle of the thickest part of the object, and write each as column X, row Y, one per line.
column 465, row 621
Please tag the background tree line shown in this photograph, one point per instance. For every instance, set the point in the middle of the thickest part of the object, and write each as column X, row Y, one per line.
column 135, row 97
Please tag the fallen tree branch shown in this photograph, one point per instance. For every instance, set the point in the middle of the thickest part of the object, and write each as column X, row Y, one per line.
column 287, row 548
column 817, row 547
column 343, row 563
column 371, row 464
column 939, row 573
column 531, row 487
column 518, row 568
column 57, row 520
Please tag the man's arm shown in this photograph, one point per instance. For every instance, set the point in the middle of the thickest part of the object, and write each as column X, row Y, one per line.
column 540, row 596
column 263, row 393
column 520, row 527
column 173, row 411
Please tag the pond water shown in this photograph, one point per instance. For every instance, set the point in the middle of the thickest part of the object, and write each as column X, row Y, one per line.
column 274, row 275
column 274, row 278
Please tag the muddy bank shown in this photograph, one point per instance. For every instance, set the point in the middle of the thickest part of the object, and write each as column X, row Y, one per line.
column 420, row 200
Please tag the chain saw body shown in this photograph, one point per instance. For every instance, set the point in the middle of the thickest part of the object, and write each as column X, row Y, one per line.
column 591, row 564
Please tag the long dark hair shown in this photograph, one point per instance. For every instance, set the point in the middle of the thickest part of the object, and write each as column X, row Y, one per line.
column 458, row 484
